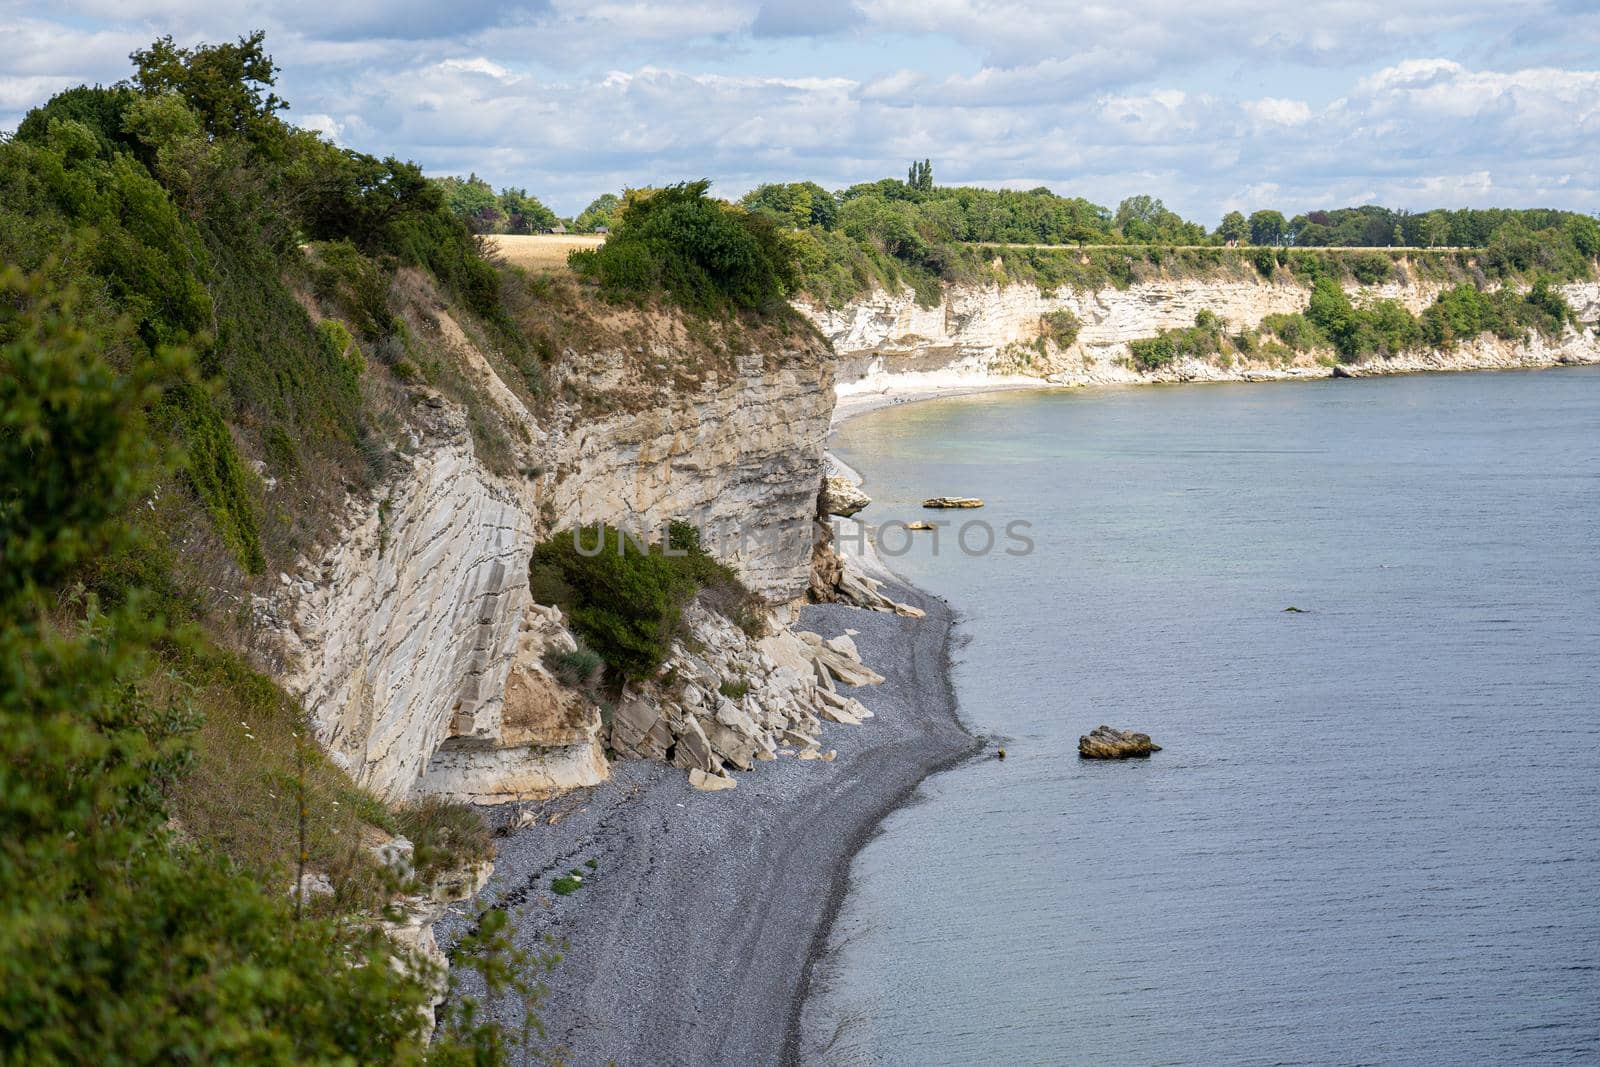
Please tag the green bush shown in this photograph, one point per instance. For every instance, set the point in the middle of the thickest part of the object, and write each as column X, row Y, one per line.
column 626, row 599
column 700, row 254
column 1464, row 312
column 118, row 942
column 1060, row 326
column 1370, row 268
column 579, row 668
column 1202, row 340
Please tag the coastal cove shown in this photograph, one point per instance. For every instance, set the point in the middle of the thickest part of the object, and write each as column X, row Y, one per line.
column 1359, row 844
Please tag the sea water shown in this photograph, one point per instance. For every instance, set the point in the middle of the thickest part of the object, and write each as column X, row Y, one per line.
column 1373, row 835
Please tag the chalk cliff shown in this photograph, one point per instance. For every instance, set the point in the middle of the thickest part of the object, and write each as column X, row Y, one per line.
column 985, row 332
column 413, row 639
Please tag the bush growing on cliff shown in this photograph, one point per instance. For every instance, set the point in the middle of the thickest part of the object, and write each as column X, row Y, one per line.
column 1384, row 328
column 701, row 254
column 1060, row 326
column 1465, row 312
column 1199, row 341
column 149, row 777
column 626, row 599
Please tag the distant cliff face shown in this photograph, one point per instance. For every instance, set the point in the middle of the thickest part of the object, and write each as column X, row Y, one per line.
column 985, row 330
column 413, row 639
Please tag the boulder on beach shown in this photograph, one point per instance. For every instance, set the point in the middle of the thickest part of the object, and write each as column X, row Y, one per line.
column 841, row 496
column 952, row 502
column 1105, row 743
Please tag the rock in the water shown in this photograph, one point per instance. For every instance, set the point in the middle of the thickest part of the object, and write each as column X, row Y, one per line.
column 1105, row 743
column 919, row 525
column 710, row 783
column 952, row 502
column 1341, row 370
column 841, row 496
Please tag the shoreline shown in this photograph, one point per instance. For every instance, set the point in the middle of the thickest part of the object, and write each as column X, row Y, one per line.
column 696, row 935
column 875, row 392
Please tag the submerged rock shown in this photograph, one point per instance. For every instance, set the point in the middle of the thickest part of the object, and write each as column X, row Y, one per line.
column 952, row 502
column 841, row 496
column 1105, row 743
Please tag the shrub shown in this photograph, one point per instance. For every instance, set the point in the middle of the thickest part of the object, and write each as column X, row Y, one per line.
column 626, row 599
column 1296, row 331
column 700, row 254
column 579, row 668
column 734, row 690
column 1199, row 341
column 1371, row 268
column 444, row 835
column 1060, row 326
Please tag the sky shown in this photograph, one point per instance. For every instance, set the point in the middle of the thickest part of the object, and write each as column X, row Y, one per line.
column 1235, row 104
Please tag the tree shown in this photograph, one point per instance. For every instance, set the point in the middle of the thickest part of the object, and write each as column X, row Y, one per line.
column 228, row 85
column 1585, row 234
column 524, row 213
column 602, row 211
column 1233, row 227
column 1433, row 229
column 698, row 252
column 1267, row 227
column 920, row 176
column 1137, row 216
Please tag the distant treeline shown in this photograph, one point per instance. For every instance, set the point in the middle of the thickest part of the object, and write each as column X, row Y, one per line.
column 917, row 232
column 512, row 210
column 911, row 231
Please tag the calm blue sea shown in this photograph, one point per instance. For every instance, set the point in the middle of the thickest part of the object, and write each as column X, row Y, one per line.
column 1374, row 834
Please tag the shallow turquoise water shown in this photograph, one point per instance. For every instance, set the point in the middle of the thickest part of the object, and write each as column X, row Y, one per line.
column 1374, row 834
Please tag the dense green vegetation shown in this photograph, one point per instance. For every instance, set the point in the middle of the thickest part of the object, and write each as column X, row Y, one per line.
column 163, row 241
column 1331, row 322
column 511, row 210
column 626, row 598
column 912, row 232
column 701, row 254
column 1200, row 341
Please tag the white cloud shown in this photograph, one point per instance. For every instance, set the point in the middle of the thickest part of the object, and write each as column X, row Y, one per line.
column 1240, row 103
column 1276, row 111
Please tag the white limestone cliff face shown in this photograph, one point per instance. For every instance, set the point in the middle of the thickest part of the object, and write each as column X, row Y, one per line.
column 413, row 640
column 740, row 457
column 409, row 619
column 984, row 333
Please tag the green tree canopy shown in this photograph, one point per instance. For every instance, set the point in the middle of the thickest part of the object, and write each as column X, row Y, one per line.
column 1233, row 227
column 1267, row 227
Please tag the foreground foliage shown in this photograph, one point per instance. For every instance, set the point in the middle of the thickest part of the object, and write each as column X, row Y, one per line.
column 156, row 353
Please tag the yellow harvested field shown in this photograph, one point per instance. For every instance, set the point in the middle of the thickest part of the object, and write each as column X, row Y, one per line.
column 542, row 251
